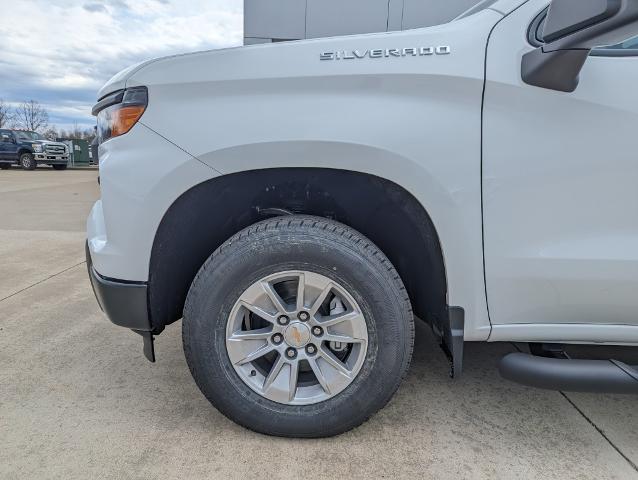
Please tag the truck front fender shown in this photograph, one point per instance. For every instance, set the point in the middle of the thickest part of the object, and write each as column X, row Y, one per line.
column 455, row 212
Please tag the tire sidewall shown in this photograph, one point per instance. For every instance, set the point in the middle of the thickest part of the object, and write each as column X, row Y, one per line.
column 226, row 276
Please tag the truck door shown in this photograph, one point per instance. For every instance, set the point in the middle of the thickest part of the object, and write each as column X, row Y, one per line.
column 13, row 146
column 560, row 192
column 6, row 144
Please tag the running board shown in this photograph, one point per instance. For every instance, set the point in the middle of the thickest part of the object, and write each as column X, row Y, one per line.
column 599, row 376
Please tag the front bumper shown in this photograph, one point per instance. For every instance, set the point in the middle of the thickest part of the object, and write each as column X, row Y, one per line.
column 45, row 158
column 123, row 302
column 141, row 176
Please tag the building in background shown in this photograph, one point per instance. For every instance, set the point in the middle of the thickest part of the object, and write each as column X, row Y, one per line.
column 279, row 20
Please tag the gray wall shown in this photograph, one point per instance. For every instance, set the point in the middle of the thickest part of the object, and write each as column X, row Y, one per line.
column 274, row 20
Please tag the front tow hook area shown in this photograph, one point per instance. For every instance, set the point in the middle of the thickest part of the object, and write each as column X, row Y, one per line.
column 570, row 375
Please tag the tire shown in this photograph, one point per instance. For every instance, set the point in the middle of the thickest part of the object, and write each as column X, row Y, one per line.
column 59, row 166
column 363, row 286
column 5, row 166
column 27, row 162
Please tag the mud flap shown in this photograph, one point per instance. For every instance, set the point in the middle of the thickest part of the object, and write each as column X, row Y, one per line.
column 451, row 338
column 149, row 348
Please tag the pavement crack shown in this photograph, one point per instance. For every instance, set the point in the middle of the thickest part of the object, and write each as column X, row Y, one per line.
column 42, row 281
column 600, row 431
column 591, row 422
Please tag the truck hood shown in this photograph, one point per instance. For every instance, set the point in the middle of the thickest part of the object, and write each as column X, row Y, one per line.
column 120, row 80
column 233, row 67
column 269, row 60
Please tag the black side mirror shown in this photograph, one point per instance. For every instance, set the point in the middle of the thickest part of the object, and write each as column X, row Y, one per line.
column 572, row 29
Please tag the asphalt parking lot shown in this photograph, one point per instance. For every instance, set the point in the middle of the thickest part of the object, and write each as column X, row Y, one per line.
column 79, row 400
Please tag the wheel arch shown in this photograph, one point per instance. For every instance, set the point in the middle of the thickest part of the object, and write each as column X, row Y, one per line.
column 206, row 215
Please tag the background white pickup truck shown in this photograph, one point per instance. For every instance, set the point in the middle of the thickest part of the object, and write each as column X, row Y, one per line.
column 297, row 203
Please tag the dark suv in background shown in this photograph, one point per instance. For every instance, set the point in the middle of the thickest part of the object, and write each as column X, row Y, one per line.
column 30, row 149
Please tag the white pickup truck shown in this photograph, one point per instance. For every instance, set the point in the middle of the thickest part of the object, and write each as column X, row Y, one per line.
column 299, row 204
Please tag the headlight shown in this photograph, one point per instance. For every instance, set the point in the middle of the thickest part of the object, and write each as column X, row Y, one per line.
column 37, row 148
column 119, row 112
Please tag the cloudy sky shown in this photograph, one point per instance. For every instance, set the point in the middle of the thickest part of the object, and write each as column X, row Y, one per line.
column 60, row 52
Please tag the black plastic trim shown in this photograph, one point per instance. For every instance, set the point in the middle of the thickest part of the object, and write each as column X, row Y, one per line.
column 535, row 41
column 149, row 347
column 560, row 25
column 125, row 303
column 127, row 97
column 105, row 102
column 557, row 70
column 534, row 29
column 451, row 335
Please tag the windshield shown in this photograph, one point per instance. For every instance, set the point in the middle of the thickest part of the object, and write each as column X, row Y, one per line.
column 27, row 136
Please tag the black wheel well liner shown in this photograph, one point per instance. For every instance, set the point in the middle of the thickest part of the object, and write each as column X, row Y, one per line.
column 206, row 215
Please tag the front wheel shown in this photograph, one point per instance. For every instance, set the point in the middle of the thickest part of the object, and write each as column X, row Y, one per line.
column 59, row 166
column 298, row 326
column 27, row 161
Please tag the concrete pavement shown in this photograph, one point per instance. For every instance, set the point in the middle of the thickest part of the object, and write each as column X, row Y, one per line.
column 78, row 399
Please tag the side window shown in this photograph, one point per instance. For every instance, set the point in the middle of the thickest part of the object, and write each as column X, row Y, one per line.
column 5, row 137
column 627, row 48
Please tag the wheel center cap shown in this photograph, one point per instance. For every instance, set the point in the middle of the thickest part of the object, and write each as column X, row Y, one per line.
column 297, row 334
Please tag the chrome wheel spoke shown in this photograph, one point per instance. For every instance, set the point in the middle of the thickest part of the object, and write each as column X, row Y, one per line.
column 254, row 355
column 329, row 337
column 331, row 320
column 316, row 369
column 292, row 380
column 320, row 299
column 274, row 297
column 301, row 292
column 260, row 312
column 334, row 362
column 281, row 382
column 274, row 372
column 348, row 327
column 261, row 334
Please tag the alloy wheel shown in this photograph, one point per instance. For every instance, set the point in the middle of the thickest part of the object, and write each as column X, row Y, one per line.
column 296, row 337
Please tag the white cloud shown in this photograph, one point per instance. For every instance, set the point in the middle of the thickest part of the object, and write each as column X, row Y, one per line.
column 73, row 47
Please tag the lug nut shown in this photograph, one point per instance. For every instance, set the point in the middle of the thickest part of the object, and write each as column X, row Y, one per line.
column 283, row 320
column 303, row 316
column 277, row 338
column 317, row 331
column 311, row 349
column 291, row 352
